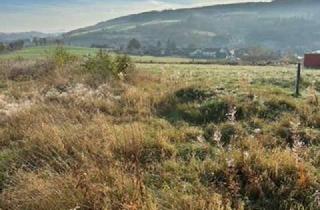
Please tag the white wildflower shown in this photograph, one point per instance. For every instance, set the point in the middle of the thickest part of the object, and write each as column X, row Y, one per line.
column 230, row 163
column 200, row 139
column 217, row 137
column 257, row 131
column 232, row 114
column 246, row 154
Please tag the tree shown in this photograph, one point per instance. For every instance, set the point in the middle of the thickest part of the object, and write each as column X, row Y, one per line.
column 42, row 41
column 260, row 54
column 16, row 45
column 171, row 47
column 2, row 47
column 39, row 41
column 159, row 45
column 59, row 42
column 192, row 46
column 35, row 41
column 133, row 44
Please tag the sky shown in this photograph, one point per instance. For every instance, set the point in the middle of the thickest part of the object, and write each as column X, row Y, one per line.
column 53, row 16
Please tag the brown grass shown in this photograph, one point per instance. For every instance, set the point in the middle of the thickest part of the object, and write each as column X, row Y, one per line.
column 155, row 141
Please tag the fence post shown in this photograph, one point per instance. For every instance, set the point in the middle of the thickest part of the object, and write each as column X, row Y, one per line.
column 297, row 93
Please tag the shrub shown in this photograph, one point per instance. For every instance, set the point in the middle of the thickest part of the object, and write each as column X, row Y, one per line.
column 62, row 57
column 123, row 66
column 103, row 66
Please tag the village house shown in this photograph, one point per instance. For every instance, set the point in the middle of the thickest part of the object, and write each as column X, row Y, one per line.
column 312, row 60
column 211, row 53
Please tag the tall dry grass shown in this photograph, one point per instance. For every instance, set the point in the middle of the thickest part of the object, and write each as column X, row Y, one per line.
column 157, row 140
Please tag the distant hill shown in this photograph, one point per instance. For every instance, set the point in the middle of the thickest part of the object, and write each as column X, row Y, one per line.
column 280, row 25
column 8, row 37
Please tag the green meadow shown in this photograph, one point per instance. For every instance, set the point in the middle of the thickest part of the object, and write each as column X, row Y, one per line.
column 42, row 52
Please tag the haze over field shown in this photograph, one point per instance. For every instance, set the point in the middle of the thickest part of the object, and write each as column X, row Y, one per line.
column 281, row 25
column 65, row 15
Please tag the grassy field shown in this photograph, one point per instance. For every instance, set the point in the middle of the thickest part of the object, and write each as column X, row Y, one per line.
column 41, row 52
column 162, row 136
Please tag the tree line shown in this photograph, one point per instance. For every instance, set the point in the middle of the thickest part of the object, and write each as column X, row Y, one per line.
column 20, row 44
column 134, row 46
column 11, row 46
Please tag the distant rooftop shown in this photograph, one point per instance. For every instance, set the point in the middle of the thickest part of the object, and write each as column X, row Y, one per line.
column 315, row 52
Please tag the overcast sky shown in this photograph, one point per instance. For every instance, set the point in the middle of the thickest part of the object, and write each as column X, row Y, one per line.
column 64, row 15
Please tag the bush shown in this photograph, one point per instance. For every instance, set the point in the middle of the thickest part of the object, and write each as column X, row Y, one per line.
column 62, row 57
column 102, row 66
column 123, row 66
